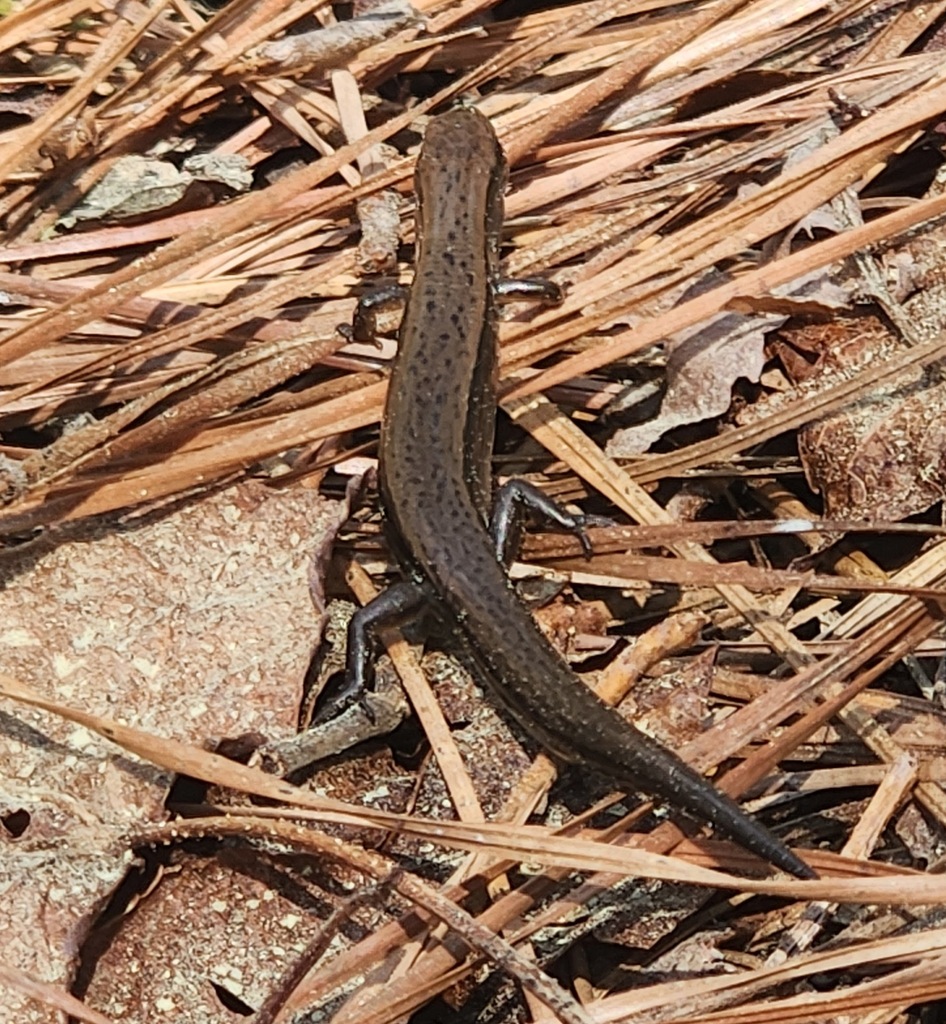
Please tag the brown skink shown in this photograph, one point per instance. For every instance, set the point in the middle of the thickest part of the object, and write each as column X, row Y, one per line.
column 448, row 533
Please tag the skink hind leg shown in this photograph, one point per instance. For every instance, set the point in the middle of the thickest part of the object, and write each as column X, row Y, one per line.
column 397, row 604
column 516, row 495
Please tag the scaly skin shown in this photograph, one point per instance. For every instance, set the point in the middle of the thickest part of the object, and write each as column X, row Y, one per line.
column 435, row 484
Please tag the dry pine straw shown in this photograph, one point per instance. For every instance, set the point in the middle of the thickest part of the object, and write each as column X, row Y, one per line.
column 616, row 215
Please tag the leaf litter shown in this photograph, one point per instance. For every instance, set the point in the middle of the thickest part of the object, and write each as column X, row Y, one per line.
column 680, row 172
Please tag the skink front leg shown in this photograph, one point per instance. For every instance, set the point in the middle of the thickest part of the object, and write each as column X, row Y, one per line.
column 364, row 326
column 536, row 289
